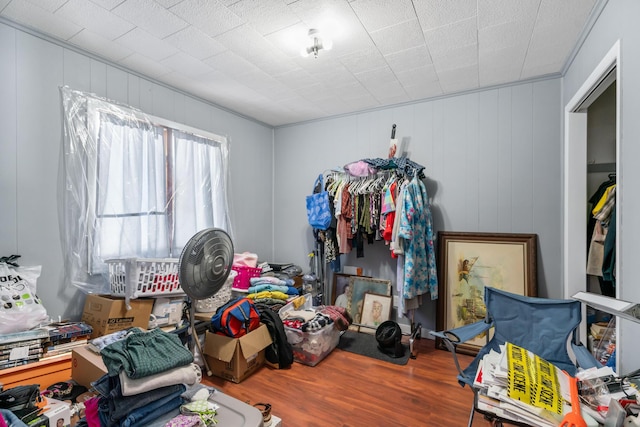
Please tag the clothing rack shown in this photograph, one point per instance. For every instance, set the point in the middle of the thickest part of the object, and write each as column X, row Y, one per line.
column 372, row 177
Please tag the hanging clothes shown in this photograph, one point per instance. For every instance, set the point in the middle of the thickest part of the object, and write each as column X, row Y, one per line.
column 599, row 226
column 416, row 230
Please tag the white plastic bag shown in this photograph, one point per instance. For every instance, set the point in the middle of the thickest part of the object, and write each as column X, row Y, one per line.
column 20, row 307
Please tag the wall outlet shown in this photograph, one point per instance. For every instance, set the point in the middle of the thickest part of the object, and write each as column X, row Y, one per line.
column 395, row 300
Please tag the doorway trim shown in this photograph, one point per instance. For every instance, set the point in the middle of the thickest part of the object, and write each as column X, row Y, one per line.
column 575, row 172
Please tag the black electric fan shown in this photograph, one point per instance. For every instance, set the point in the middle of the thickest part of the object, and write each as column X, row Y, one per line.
column 203, row 268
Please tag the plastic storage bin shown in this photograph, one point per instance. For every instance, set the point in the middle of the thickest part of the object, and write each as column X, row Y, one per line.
column 310, row 348
column 142, row 277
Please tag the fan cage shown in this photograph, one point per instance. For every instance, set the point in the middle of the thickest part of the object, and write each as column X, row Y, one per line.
column 141, row 277
column 223, row 296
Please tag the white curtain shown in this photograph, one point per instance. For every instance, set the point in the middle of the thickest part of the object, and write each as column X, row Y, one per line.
column 131, row 208
column 199, row 177
column 134, row 186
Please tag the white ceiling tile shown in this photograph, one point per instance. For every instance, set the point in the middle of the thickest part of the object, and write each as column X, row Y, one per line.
column 337, row 77
column 402, row 36
column 28, row 14
column 409, row 59
column 363, row 60
column 571, row 14
column 142, row 42
column 496, row 12
column 145, row 65
column 351, row 91
column 99, row 45
column 295, row 79
column 437, row 13
column 389, row 93
column 501, row 36
column 450, row 37
column 379, row 76
column 378, row 14
column 196, row 43
column 266, row 16
column 150, row 16
column 423, row 90
column 165, row 3
column 426, row 74
column 501, row 66
column 48, row 5
column 209, row 16
column 359, row 104
column 106, row 4
column 94, row 18
column 230, row 63
column 186, row 65
column 457, row 58
column 459, row 79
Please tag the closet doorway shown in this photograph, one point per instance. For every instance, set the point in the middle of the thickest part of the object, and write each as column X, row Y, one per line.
column 591, row 151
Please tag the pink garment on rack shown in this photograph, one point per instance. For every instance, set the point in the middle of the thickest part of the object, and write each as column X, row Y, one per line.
column 359, row 168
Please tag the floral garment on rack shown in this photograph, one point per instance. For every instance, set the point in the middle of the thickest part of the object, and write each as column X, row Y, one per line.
column 420, row 274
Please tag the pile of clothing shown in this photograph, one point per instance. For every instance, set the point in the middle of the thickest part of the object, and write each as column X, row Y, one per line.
column 271, row 291
column 149, row 375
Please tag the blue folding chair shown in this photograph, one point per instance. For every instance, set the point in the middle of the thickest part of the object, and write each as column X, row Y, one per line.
column 546, row 327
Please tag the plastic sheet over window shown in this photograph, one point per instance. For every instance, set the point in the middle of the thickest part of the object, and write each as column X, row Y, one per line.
column 134, row 186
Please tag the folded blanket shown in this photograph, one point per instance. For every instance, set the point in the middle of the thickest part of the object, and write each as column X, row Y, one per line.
column 189, row 375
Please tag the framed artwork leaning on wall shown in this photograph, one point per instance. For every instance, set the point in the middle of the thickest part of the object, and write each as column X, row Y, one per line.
column 376, row 309
column 467, row 263
column 358, row 287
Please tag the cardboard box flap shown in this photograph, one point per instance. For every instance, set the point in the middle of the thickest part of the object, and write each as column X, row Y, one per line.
column 219, row 347
column 256, row 341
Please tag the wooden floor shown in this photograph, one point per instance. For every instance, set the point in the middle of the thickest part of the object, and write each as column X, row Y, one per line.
column 347, row 389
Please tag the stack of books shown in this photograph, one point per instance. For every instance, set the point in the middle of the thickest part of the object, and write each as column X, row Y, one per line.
column 20, row 348
column 63, row 337
column 518, row 385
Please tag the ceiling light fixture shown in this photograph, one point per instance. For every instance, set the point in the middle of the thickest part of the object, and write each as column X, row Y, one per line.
column 317, row 43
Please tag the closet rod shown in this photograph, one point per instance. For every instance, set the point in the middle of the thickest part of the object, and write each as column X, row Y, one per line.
column 601, row 167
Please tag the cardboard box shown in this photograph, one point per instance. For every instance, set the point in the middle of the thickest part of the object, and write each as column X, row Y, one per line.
column 107, row 314
column 167, row 311
column 234, row 359
column 86, row 366
column 58, row 413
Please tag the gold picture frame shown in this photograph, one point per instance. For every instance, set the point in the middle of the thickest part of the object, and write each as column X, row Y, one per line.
column 467, row 262
column 358, row 287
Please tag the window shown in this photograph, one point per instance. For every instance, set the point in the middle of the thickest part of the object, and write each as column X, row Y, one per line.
column 135, row 186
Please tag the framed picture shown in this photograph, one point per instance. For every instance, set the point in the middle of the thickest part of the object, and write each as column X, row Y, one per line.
column 358, row 287
column 340, row 286
column 376, row 309
column 467, row 263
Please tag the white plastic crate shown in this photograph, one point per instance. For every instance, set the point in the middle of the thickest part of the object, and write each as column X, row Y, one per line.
column 144, row 277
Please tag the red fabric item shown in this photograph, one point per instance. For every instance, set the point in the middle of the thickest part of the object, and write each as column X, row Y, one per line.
column 91, row 412
column 3, row 423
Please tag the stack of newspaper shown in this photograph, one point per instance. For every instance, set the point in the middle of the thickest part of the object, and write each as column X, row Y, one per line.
column 518, row 385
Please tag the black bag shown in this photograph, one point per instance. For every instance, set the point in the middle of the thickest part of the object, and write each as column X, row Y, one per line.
column 280, row 351
column 23, row 401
